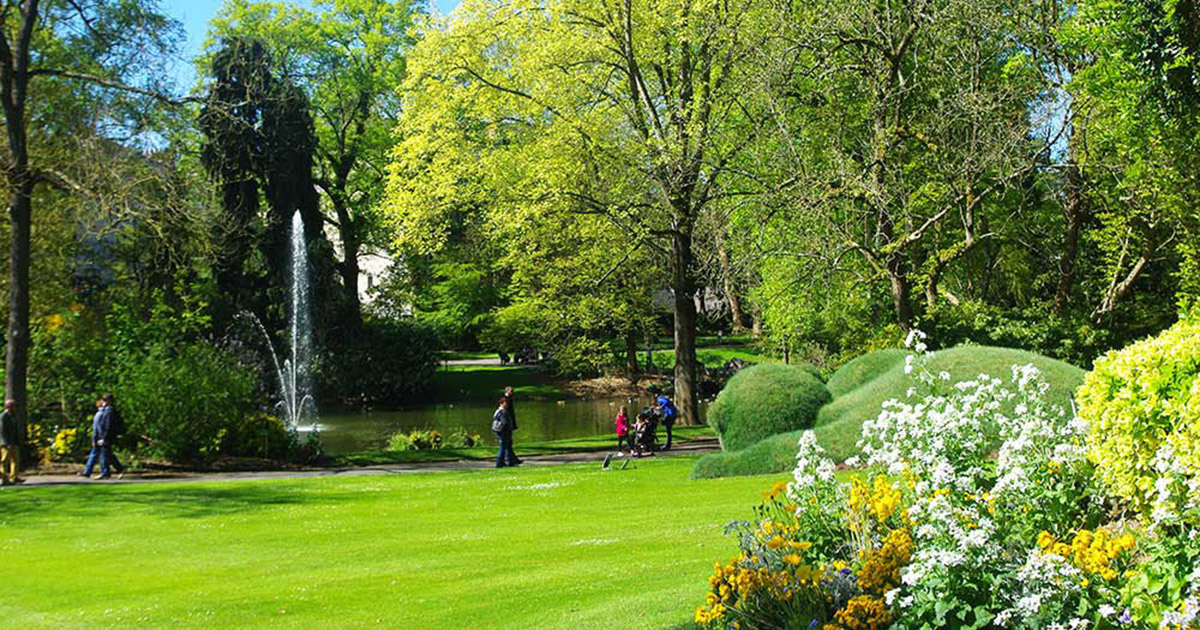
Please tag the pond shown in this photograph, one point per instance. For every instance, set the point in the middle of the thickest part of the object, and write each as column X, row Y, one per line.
column 538, row 421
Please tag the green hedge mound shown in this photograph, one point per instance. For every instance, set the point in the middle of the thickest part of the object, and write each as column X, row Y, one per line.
column 774, row 454
column 864, row 369
column 764, row 400
column 839, row 424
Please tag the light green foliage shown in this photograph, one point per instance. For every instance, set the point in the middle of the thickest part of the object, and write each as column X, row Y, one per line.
column 763, row 400
column 394, row 551
column 773, row 454
column 431, row 439
column 1143, row 406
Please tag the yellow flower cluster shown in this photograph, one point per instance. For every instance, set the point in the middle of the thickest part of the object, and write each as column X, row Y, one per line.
column 733, row 582
column 63, row 441
column 880, row 500
column 880, row 571
column 862, row 612
column 1091, row 552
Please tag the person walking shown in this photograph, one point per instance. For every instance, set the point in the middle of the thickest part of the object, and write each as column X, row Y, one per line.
column 502, row 426
column 116, row 431
column 101, row 443
column 510, row 405
column 668, row 413
column 10, row 445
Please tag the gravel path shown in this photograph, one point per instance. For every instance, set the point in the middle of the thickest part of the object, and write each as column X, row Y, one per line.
column 693, row 447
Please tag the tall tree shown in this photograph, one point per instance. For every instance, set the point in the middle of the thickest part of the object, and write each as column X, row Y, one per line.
column 646, row 98
column 347, row 57
column 94, row 43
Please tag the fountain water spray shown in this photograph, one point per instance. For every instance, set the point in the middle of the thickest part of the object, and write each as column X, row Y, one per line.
column 296, row 401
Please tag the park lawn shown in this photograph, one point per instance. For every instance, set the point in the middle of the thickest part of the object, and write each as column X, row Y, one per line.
column 716, row 357
column 486, row 382
column 680, row 434
column 549, row 547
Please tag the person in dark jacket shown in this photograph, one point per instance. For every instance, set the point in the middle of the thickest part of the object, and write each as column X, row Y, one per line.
column 502, row 426
column 510, row 406
column 667, row 413
column 10, row 445
column 101, row 443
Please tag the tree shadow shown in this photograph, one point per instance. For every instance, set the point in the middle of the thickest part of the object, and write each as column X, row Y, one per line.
column 169, row 500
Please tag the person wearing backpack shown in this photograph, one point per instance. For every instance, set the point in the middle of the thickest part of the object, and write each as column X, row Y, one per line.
column 116, row 431
column 502, row 426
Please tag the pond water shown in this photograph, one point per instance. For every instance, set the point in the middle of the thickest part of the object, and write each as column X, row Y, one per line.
column 538, row 421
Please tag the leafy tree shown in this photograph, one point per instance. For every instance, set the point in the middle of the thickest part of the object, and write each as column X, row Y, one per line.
column 347, row 57
column 629, row 110
column 91, row 45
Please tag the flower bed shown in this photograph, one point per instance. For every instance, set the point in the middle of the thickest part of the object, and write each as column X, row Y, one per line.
column 958, row 515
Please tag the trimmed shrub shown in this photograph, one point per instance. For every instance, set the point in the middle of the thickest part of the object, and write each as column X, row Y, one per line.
column 1142, row 404
column 764, row 400
column 774, row 454
column 864, row 369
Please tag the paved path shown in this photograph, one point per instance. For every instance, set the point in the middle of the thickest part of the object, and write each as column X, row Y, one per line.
column 692, row 447
column 458, row 362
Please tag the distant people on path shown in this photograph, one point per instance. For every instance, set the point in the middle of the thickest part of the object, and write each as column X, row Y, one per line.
column 502, row 426
column 10, row 445
column 104, row 431
column 668, row 413
column 511, row 405
column 624, row 437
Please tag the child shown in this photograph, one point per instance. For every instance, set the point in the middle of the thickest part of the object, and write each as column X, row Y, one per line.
column 623, row 437
column 644, row 433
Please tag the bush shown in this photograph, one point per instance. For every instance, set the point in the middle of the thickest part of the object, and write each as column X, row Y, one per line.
column 864, row 369
column 774, row 454
column 764, row 400
column 431, row 439
column 389, row 361
column 1143, row 405
column 187, row 404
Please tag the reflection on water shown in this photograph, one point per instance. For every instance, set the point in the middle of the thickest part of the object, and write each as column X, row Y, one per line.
column 537, row 421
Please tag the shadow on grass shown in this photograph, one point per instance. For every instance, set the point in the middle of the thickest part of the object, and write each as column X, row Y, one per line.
column 26, row 506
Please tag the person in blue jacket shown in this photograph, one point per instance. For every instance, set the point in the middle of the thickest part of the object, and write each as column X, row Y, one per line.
column 669, row 413
column 102, row 436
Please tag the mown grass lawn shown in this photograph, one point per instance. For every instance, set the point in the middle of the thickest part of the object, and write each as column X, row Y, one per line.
column 552, row 547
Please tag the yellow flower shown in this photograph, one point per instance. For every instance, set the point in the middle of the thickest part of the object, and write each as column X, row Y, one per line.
column 792, row 558
column 800, row 546
column 775, row 543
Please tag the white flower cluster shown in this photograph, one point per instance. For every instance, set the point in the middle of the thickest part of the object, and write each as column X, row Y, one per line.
column 813, row 478
column 1038, row 434
column 1175, row 489
column 1042, row 582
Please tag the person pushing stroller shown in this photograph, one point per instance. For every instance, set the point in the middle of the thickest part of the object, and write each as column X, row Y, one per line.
column 644, row 432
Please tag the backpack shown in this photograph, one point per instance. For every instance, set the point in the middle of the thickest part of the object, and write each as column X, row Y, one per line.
column 500, row 421
column 116, row 427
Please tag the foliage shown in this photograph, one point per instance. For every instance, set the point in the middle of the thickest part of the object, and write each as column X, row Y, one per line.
column 1143, row 403
column 936, row 531
column 389, row 361
column 763, row 400
column 431, row 439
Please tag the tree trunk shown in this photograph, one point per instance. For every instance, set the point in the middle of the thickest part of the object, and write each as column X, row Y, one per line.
column 1075, row 212
column 736, row 314
column 901, row 293
column 684, row 288
column 16, row 361
column 756, row 322
column 349, row 272
column 631, row 360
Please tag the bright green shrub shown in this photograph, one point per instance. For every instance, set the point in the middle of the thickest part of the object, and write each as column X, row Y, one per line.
column 1143, row 407
column 764, row 400
column 771, row 455
column 864, row 369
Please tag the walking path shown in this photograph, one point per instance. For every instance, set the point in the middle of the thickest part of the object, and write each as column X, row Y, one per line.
column 692, row 447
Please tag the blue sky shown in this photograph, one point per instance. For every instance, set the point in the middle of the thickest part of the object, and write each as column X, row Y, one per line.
column 195, row 14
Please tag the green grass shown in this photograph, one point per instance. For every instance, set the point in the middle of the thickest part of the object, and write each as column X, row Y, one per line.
column 714, row 357
column 487, row 382
column 466, row 355
column 839, row 424
column 488, row 450
column 555, row 547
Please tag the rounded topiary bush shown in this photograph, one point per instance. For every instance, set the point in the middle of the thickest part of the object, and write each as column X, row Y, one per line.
column 1142, row 405
column 763, row 400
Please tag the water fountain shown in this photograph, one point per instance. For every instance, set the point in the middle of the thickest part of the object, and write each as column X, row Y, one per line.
column 296, row 404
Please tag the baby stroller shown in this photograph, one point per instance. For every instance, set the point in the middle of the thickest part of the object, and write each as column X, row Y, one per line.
column 645, row 433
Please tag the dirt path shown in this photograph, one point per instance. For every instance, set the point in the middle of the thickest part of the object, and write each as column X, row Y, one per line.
column 693, row 447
